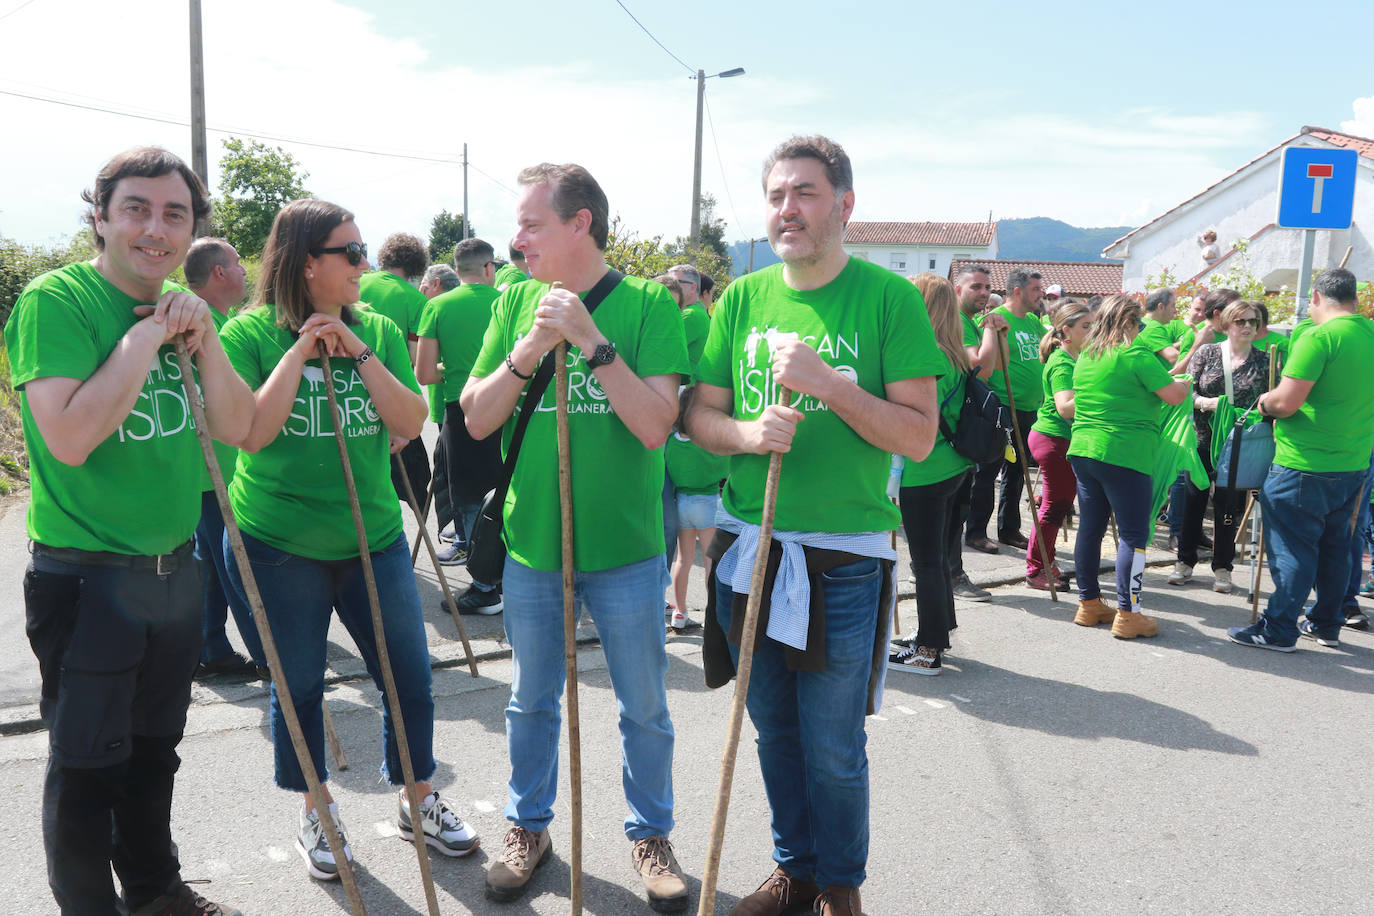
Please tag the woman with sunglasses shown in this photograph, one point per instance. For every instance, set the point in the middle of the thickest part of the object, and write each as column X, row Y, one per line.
column 1248, row 369
column 291, row 501
column 1117, row 390
column 1048, row 440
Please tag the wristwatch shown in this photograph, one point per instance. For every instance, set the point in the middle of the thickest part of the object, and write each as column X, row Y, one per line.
column 603, row 355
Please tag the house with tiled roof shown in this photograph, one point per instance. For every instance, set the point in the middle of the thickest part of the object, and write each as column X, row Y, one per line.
column 1242, row 207
column 912, row 248
column 1079, row 278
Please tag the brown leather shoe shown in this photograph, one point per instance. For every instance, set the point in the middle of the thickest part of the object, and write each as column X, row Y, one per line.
column 1092, row 612
column 839, row 901
column 983, row 545
column 654, row 860
column 781, row 893
column 522, row 852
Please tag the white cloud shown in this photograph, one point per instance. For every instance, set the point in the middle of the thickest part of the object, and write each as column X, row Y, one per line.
column 1363, row 124
column 323, row 72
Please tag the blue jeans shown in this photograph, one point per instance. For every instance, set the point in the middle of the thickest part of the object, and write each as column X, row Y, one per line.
column 811, row 738
column 300, row 596
column 626, row 604
column 1358, row 543
column 1307, row 526
column 217, row 600
column 1104, row 489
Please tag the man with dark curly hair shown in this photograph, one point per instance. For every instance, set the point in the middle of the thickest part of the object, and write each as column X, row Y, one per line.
column 391, row 290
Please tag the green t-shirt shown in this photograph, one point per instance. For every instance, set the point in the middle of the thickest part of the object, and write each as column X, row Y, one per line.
column 138, row 492
column 696, row 324
column 389, row 295
column 973, row 335
column 617, row 482
column 1189, row 334
column 1156, row 336
column 691, row 468
column 1058, row 377
column 1023, row 340
column 868, row 323
column 943, row 462
column 291, row 493
column 458, row 319
column 1116, row 411
column 1299, row 329
column 1333, row 430
column 434, row 396
column 508, row 275
column 228, row 455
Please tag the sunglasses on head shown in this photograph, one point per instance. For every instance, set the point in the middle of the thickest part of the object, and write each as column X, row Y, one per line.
column 354, row 251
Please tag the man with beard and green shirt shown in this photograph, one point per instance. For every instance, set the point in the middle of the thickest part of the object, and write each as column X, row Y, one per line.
column 624, row 361
column 1024, row 289
column 1160, row 334
column 451, row 333
column 112, row 594
column 852, row 343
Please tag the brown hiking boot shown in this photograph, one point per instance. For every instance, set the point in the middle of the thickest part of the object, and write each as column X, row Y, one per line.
column 522, row 851
column 1130, row 624
column 654, row 860
column 780, row 893
column 839, row 901
column 1092, row 612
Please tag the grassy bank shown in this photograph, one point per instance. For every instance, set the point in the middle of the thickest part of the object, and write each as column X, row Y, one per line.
column 14, row 463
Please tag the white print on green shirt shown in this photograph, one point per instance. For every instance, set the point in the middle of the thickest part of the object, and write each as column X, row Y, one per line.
column 757, row 389
column 161, row 408
column 585, row 394
column 1027, row 347
column 359, row 415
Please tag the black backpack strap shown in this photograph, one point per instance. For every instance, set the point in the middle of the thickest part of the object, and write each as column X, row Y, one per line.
column 1238, row 433
column 540, row 383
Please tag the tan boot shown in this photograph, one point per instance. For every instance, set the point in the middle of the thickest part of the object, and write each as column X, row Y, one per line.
column 839, row 901
column 1092, row 612
column 521, row 853
column 654, row 860
column 781, row 893
column 1130, row 624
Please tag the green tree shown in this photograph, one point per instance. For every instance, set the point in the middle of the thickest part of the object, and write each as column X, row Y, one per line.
column 255, row 182
column 445, row 232
column 20, row 263
column 710, row 255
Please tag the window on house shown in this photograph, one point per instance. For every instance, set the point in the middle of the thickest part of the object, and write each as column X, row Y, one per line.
column 898, row 261
column 931, row 265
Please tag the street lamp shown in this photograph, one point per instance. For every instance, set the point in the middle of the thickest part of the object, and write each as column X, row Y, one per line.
column 752, row 242
column 701, row 79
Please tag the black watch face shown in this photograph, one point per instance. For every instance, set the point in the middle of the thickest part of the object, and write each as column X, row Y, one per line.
column 604, row 355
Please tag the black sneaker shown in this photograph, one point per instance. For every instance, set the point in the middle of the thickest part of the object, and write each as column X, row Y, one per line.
column 916, row 659
column 964, row 588
column 180, row 900
column 231, row 665
column 1356, row 619
column 474, row 601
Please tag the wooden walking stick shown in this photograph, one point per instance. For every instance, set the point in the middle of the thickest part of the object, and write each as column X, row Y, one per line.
column 379, row 635
column 269, row 645
column 707, row 903
column 422, row 516
column 1023, row 452
column 332, row 736
column 438, row 568
column 565, row 506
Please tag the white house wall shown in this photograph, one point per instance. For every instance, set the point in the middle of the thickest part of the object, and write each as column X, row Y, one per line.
column 1241, row 207
column 918, row 259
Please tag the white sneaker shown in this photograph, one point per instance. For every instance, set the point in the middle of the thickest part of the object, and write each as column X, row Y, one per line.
column 1181, row 574
column 444, row 829
column 313, row 845
column 679, row 621
column 1222, row 582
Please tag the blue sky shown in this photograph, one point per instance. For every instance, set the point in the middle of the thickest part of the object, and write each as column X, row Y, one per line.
column 1098, row 114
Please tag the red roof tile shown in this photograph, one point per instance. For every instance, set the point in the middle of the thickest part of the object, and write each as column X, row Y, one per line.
column 1079, row 278
column 1363, row 145
column 859, row 232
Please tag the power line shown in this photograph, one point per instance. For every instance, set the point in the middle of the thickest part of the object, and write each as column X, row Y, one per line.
column 17, row 9
column 715, row 141
column 691, row 70
column 256, row 135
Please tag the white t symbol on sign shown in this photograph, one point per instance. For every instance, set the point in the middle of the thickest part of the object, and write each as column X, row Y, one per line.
column 1318, row 172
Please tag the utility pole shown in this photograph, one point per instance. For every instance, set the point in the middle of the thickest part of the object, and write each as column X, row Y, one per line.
column 695, row 234
column 199, row 155
column 466, row 221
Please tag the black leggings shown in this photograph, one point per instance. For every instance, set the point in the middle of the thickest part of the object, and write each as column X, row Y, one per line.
column 925, row 517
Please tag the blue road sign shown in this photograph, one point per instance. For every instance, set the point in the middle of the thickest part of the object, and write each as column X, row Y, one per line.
column 1316, row 188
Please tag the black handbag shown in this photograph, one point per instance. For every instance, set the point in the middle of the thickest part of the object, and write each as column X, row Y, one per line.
column 486, row 547
column 980, row 434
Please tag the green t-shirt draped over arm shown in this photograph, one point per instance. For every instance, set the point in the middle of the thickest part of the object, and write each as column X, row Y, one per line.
column 617, row 483
column 291, row 492
column 1058, row 377
column 691, row 468
column 868, row 323
column 1116, row 411
column 458, row 320
column 138, row 492
column 389, row 295
column 696, row 324
column 943, row 462
column 1023, row 340
column 1333, row 430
